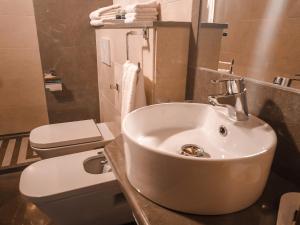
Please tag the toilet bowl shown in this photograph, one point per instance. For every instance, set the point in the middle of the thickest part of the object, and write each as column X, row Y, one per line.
column 66, row 138
column 63, row 189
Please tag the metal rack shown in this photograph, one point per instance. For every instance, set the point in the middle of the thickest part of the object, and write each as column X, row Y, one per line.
column 144, row 33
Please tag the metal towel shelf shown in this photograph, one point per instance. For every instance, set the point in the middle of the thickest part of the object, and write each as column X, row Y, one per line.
column 144, row 33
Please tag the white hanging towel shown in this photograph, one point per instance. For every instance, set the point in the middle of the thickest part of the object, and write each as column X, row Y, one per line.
column 133, row 89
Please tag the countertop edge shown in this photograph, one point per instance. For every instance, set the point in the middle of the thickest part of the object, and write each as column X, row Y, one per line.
column 138, row 214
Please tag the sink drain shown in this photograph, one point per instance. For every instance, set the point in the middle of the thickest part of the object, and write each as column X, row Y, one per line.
column 223, row 131
column 192, row 150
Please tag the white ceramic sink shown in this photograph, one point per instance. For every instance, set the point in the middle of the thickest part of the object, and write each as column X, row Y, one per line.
column 229, row 177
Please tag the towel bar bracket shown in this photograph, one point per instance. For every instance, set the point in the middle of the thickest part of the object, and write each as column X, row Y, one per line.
column 146, row 33
column 114, row 87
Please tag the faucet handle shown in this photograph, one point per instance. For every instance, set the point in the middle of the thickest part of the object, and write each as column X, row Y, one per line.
column 296, row 77
column 232, row 86
column 285, row 81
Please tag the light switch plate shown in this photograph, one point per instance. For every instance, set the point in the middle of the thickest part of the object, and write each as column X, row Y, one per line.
column 105, row 51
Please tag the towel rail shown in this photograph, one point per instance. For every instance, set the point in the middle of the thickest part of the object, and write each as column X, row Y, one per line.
column 144, row 33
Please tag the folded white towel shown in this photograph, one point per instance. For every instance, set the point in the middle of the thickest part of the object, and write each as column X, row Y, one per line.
column 104, row 16
column 141, row 17
column 149, row 4
column 112, row 12
column 102, row 10
column 133, row 89
column 107, row 17
column 137, row 20
column 152, row 14
column 140, row 10
column 96, row 23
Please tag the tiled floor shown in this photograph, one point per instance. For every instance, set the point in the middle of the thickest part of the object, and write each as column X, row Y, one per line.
column 14, row 210
column 15, row 152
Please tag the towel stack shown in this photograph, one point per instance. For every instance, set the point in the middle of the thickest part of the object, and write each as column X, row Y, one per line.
column 141, row 12
column 104, row 15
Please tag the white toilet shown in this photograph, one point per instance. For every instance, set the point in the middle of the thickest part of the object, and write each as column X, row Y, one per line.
column 68, row 184
column 71, row 190
column 66, row 138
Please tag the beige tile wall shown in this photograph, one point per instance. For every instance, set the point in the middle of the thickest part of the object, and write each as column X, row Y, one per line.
column 207, row 52
column 246, row 19
column 171, row 63
column 171, row 10
column 110, row 99
column 160, row 63
column 67, row 45
column 22, row 96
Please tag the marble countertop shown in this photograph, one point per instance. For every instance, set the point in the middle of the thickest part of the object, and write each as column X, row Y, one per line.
column 146, row 212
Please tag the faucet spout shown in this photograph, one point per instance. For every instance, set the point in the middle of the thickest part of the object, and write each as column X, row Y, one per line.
column 236, row 102
column 214, row 100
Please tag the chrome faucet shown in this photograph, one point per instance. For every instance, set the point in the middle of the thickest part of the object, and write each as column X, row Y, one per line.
column 234, row 98
column 285, row 81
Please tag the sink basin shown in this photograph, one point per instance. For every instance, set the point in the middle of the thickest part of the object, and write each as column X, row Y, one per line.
column 228, row 175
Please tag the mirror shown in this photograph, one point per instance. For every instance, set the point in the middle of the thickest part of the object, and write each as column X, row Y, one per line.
column 262, row 38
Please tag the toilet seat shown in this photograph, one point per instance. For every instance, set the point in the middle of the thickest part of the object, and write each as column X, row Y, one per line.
column 64, row 177
column 65, row 134
column 60, row 139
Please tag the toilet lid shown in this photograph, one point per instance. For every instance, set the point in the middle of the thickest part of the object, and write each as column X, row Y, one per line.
column 63, row 134
column 63, row 177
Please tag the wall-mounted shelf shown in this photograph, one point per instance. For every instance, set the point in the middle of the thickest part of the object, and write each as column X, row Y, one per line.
column 145, row 24
column 214, row 25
